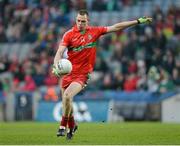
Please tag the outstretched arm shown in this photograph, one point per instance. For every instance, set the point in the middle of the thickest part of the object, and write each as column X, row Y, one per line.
column 126, row 24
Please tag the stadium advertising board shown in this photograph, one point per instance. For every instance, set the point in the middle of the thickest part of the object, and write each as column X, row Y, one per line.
column 170, row 109
column 88, row 111
column 23, row 106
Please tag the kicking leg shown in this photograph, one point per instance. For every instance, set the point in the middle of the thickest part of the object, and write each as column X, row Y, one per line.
column 73, row 89
column 67, row 98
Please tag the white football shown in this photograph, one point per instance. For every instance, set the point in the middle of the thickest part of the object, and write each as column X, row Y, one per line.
column 64, row 66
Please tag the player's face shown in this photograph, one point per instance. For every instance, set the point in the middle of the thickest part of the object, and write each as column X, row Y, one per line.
column 81, row 22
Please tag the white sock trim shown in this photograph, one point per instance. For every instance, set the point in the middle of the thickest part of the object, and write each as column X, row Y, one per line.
column 62, row 127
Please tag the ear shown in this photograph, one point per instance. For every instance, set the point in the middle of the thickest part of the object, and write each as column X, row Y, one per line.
column 88, row 20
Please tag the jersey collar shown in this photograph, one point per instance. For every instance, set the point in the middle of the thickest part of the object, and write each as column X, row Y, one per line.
column 76, row 29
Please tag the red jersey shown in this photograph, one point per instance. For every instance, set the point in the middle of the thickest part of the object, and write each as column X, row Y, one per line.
column 82, row 47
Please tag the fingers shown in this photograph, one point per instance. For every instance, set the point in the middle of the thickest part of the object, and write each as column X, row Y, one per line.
column 55, row 71
column 144, row 20
column 149, row 19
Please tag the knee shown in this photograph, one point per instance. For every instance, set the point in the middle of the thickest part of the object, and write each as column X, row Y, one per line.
column 67, row 97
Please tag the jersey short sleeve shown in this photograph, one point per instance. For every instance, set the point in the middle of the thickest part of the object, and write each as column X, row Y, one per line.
column 65, row 39
column 101, row 30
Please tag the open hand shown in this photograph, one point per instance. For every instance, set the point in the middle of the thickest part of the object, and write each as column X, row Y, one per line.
column 144, row 20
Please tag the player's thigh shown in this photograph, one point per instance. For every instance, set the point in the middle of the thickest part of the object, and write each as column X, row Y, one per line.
column 73, row 89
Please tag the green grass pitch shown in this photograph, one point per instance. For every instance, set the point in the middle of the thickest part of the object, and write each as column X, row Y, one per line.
column 36, row 133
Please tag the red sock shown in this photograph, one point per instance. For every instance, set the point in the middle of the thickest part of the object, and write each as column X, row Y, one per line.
column 64, row 121
column 71, row 122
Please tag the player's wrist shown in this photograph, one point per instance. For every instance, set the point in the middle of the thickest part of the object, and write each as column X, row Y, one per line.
column 141, row 20
column 138, row 22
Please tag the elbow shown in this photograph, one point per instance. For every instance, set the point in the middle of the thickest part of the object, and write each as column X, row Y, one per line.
column 118, row 28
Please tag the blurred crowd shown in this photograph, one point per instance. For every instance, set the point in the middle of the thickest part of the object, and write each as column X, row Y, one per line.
column 145, row 57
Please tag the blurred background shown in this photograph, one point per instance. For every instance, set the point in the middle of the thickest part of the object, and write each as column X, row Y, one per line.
column 137, row 71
